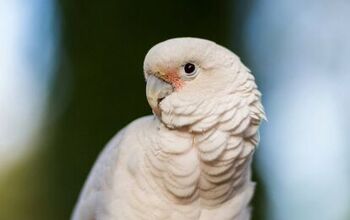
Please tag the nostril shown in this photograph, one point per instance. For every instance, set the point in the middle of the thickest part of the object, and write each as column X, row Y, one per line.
column 160, row 99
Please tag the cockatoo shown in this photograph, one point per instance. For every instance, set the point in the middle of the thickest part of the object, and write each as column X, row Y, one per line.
column 190, row 160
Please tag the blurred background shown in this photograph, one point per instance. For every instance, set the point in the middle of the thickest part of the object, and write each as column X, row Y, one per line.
column 71, row 77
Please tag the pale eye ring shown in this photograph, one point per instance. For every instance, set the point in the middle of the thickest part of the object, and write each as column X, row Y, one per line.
column 190, row 69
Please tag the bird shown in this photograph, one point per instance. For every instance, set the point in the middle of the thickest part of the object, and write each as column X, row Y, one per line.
column 191, row 159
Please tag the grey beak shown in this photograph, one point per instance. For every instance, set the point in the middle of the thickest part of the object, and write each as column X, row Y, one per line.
column 156, row 91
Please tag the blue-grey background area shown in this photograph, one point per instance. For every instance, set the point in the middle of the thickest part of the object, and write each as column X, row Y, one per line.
column 71, row 77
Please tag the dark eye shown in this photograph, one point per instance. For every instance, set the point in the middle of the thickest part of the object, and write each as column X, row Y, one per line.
column 190, row 68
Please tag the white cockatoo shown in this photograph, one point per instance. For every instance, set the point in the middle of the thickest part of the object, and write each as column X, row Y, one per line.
column 191, row 160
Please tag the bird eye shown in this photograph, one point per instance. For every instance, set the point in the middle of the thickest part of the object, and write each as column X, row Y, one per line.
column 190, row 69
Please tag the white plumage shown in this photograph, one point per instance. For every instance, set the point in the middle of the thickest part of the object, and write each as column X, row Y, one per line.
column 191, row 161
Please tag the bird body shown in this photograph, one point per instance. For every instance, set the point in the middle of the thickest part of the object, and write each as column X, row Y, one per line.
column 191, row 160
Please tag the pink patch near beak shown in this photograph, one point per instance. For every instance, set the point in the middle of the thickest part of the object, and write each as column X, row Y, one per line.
column 174, row 78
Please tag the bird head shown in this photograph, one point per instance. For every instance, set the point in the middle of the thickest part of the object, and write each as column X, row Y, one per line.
column 187, row 78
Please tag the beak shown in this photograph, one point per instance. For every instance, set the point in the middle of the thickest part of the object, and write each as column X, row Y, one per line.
column 156, row 90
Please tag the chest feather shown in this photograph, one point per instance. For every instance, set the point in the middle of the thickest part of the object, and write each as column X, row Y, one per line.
column 209, row 166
